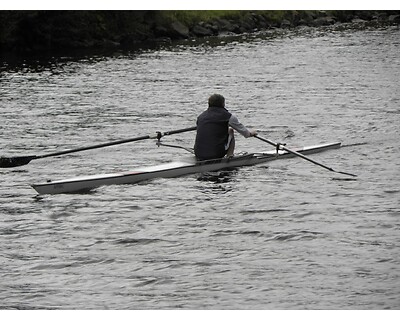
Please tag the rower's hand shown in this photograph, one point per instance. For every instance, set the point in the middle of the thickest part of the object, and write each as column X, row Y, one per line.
column 253, row 133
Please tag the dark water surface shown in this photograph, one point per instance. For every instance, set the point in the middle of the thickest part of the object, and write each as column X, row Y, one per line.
column 289, row 235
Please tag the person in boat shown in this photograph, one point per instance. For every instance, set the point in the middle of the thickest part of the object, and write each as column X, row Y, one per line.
column 215, row 135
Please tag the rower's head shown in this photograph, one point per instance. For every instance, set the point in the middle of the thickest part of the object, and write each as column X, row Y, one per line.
column 216, row 100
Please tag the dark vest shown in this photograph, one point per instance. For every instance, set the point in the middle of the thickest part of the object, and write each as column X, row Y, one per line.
column 212, row 133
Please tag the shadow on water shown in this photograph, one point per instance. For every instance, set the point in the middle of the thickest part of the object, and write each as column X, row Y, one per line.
column 223, row 176
column 216, row 182
column 45, row 60
column 42, row 61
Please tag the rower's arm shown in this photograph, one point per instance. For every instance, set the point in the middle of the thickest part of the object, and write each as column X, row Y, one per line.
column 239, row 127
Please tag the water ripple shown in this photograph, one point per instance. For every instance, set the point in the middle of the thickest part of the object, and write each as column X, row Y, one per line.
column 290, row 235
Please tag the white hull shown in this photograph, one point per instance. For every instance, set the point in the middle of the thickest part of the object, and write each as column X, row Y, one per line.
column 168, row 170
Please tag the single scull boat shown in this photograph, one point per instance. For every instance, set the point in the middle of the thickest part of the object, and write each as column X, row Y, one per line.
column 170, row 170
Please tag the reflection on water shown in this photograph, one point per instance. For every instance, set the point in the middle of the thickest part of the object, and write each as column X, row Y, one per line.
column 222, row 176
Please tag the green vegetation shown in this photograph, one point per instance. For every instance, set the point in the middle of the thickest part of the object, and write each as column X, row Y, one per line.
column 191, row 17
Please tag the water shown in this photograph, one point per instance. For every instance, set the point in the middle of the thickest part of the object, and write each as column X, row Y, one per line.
column 289, row 235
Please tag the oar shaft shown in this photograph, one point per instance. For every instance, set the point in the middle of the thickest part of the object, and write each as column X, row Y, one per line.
column 295, row 153
column 113, row 143
column 8, row 162
column 179, row 131
column 102, row 145
column 302, row 156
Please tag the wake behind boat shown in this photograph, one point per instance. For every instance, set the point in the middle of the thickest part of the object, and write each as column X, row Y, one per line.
column 172, row 170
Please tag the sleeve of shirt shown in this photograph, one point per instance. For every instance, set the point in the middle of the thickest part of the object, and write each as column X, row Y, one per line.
column 235, row 124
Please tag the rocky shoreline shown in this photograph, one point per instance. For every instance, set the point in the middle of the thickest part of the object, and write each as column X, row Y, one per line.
column 26, row 32
column 254, row 22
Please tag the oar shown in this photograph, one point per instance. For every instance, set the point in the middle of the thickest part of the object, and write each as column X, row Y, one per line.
column 280, row 146
column 8, row 162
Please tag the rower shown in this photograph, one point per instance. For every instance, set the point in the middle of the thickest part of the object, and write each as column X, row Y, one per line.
column 215, row 135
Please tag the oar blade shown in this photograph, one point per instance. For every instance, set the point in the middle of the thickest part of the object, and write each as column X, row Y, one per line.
column 6, row 162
